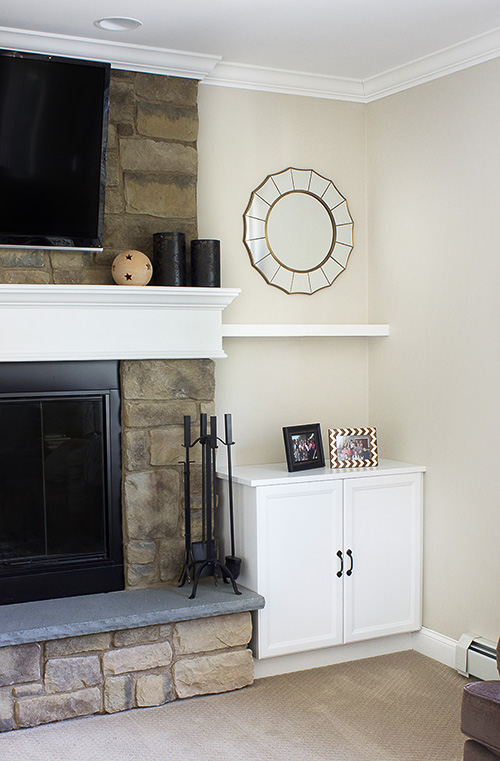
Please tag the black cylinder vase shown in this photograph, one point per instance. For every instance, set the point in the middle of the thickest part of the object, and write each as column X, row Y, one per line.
column 169, row 259
column 205, row 263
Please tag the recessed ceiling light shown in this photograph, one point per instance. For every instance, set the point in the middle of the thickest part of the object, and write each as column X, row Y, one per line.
column 118, row 24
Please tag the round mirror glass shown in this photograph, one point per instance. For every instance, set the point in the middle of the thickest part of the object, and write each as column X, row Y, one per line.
column 298, row 230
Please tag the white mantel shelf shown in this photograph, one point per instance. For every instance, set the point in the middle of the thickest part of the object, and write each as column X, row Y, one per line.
column 82, row 322
column 289, row 330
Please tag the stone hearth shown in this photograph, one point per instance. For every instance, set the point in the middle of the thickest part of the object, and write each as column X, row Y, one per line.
column 111, row 652
column 149, row 644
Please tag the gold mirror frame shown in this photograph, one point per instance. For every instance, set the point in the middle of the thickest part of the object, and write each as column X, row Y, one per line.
column 329, row 260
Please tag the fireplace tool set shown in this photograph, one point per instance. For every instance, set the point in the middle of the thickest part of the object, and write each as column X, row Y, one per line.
column 201, row 558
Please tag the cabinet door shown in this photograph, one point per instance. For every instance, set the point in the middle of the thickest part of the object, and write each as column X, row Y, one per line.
column 300, row 532
column 382, row 528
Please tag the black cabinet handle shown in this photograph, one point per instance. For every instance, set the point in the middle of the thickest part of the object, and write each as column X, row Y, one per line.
column 339, row 555
column 349, row 554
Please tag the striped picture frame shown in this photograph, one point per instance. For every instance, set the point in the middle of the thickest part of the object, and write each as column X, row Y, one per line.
column 353, row 447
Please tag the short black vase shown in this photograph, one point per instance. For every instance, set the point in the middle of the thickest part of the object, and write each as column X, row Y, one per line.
column 205, row 263
column 169, row 259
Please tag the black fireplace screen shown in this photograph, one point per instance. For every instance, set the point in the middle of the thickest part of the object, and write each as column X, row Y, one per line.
column 52, row 458
column 60, row 516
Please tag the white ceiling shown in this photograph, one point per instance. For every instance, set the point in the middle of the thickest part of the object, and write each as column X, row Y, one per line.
column 351, row 49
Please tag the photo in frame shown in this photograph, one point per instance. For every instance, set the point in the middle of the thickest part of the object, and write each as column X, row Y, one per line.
column 353, row 447
column 303, row 447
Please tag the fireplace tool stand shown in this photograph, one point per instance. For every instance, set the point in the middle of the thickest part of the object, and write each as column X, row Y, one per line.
column 201, row 558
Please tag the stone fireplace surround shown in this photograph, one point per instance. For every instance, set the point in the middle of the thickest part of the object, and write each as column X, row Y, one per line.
column 143, row 646
column 149, row 644
column 166, row 339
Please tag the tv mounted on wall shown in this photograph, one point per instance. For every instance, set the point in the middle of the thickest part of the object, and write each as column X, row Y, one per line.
column 53, row 142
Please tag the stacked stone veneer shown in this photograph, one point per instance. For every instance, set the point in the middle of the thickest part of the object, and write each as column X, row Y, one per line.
column 116, row 671
column 152, row 161
column 156, row 394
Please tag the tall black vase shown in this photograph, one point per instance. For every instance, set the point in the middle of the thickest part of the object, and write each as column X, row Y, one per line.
column 169, row 259
column 205, row 263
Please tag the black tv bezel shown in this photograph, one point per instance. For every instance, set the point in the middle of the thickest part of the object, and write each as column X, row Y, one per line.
column 68, row 242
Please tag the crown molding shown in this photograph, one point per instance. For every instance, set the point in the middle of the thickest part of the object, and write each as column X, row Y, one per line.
column 128, row 57
column 212, row 70
column 476, row 50
column 471, row 52
column 245, row 77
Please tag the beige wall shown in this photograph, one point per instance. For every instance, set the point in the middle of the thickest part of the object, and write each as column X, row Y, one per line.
column 432, row 170
column 433, row 176
column 434, row 275
column 270, row 383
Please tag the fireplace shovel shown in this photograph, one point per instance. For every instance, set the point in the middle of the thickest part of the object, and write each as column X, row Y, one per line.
column 233, row 564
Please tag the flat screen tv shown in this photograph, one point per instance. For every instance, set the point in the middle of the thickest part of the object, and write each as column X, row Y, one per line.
column 53, row 142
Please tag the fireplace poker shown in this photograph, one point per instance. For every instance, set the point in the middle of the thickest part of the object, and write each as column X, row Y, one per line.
column 213, row 500
column 203, row 441
column 232, row 562
column 200, row 550
column 187, row 504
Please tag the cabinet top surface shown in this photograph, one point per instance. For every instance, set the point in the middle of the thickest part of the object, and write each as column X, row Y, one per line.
column 277, row 473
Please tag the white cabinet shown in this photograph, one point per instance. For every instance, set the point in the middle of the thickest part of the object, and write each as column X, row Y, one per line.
column 336, row 554
column 383, row 527
column 299, row 528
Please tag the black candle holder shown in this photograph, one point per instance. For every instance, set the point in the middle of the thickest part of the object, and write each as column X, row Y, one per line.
column 169, row 259
column 205, row 263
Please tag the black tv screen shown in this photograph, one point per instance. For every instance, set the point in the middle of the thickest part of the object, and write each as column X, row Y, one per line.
column 53, row 140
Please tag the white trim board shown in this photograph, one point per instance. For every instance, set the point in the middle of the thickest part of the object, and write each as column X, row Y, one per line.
column 212, row 70
column 476, row 50
column 177, row 63
column 293, row 330
column 78, row 322
column 436, row 646
column 427, row 642
column 328, row 656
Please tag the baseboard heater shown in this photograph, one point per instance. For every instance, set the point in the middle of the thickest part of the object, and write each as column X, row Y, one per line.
column 476, row 656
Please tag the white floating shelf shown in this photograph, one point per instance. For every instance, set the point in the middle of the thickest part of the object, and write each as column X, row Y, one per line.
column 288, row 330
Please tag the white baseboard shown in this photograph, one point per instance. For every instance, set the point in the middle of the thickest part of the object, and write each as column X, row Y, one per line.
column 427, row 642
column 436, row 646
column 313, row 659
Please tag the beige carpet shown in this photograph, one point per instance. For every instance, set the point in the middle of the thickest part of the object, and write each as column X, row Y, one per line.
column 400, row 707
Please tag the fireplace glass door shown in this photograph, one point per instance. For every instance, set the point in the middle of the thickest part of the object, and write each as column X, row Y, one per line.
column 58, row 494
column 53, row 461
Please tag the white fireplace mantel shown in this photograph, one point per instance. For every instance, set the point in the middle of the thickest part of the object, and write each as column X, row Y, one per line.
column 81, row 322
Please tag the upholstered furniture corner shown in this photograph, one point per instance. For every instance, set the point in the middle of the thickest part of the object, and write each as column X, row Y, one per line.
column 481, row 718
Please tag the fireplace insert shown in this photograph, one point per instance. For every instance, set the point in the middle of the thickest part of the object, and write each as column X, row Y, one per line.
column 60, row 480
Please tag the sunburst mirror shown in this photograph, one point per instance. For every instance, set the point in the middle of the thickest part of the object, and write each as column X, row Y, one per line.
column 298, row 230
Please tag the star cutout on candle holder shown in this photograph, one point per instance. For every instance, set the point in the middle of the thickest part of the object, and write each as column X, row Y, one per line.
column 131, row 268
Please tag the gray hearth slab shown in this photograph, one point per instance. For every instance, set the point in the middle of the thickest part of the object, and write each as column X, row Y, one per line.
column 90, row 614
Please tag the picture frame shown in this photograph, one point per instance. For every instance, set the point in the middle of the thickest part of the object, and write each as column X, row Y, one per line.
column 353, row 447
column 303, row 447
